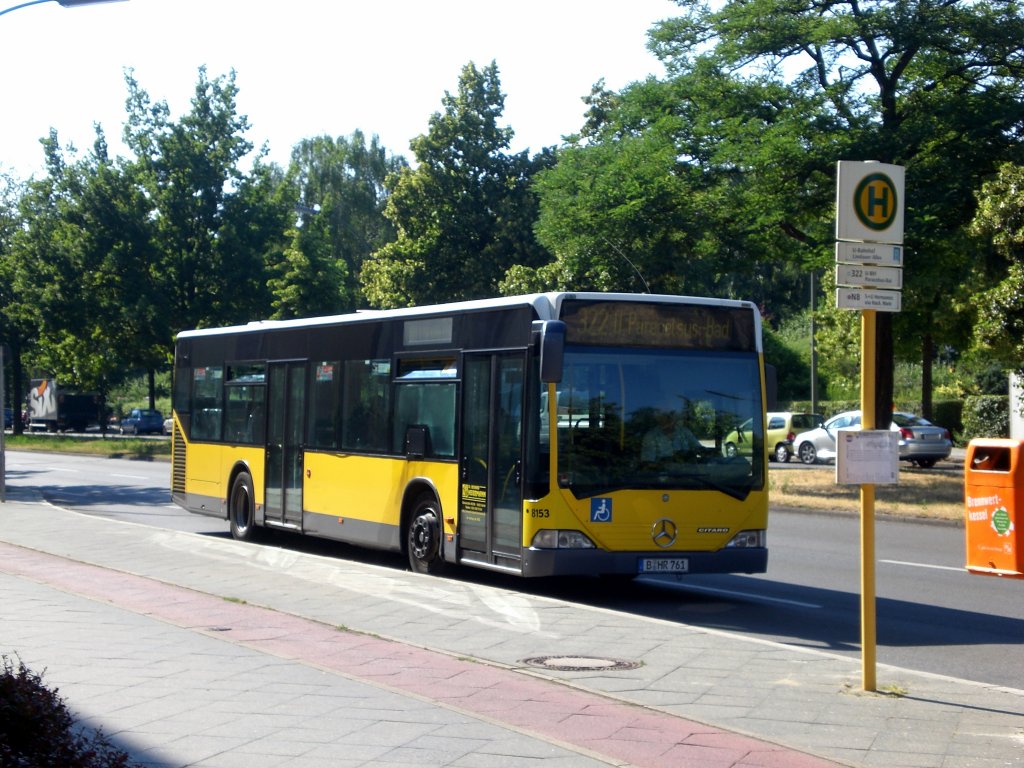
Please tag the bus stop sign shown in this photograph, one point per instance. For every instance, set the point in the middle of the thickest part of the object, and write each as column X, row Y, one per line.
column 869, row 202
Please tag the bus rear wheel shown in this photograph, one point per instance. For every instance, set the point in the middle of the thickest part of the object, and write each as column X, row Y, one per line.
column 242, row 508
column 423, row 536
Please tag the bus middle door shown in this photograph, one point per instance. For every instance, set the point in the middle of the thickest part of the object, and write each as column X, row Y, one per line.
column 286, row 412
column 490, row 498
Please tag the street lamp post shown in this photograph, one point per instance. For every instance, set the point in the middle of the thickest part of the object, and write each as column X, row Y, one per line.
column 64, row 3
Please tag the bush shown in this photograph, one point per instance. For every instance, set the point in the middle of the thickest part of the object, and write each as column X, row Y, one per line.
column 38, row 731
column 986, row 416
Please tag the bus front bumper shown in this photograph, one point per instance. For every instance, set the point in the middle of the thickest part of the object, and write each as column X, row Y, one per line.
column 583, row 562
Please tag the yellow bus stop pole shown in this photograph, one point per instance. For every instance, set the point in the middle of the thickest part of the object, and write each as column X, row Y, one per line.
column 867, row 504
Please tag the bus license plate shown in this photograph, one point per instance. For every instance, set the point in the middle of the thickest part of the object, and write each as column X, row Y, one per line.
column 664, row 565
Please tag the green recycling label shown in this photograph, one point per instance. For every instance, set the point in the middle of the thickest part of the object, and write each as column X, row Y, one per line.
column 1001, row 522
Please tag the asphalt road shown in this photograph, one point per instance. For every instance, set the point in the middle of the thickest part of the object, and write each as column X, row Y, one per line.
column 931, row 614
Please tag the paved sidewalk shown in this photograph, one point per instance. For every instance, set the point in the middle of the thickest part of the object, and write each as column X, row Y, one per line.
column 198, row 650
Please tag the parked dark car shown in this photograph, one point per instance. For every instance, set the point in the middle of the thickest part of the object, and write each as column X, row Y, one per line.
column 142, row 421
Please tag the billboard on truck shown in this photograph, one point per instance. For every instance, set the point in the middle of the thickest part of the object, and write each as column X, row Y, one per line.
column 56, row 410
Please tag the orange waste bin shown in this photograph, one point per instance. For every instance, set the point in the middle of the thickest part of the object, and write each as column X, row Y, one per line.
column 993, row 499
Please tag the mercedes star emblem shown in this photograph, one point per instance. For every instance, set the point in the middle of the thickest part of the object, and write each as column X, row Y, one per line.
column 664, row 533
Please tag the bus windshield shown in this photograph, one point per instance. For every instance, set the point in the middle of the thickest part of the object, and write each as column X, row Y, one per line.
column 659, row 419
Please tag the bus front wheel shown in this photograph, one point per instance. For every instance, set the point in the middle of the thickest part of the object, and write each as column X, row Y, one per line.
column 423, row 536
column 242, row 508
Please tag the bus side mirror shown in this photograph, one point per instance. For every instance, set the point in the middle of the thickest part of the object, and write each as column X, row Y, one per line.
column 552, row 349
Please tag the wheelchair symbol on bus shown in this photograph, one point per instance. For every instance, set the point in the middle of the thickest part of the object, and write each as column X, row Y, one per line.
column 601, row 510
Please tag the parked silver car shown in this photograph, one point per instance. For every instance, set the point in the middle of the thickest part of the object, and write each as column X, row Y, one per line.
column 921, row 442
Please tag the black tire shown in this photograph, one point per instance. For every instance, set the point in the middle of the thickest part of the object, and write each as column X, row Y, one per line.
column 781, row 453
column 808, row 453
column 925, row 463
column 423, row 536
column 242, row 508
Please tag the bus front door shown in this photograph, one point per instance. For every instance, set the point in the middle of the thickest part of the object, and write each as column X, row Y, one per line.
column 491, row 506
column 287, row 407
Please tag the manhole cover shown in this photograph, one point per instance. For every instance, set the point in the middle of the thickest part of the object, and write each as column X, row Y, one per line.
column 579, row 663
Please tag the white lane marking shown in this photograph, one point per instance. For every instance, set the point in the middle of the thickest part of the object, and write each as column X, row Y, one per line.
column 923, row 565
column 130, row 477
column 733, row 593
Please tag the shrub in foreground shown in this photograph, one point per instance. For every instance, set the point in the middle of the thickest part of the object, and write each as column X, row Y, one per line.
column 38, row 731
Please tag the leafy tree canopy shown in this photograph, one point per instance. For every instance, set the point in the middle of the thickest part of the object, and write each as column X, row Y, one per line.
column 190, row 171
column 1000, row 219
column 341, row 192
column 465, row 213
column 723, row 173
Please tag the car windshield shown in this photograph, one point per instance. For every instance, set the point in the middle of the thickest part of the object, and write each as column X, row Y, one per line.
column 658, row 419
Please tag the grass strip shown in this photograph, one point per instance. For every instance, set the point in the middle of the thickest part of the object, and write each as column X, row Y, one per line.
column 109, row 446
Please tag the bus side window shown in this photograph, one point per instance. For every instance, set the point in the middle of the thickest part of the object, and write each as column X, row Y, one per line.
column 428, row 405
column 244, row 422
column 207, row 399
column 365, row 405
column 323, row 405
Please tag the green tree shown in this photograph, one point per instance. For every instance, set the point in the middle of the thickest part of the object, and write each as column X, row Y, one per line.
column 838, row 343
column 1000, row 221
column 111, row 257
column 71, row 263
column 117, row 249
column 214, row 228
column 340, row 184
column 659, row 173
column 190, row 172
column 13, row 329
column 254, row 234
column 464, row 215
column 309, row 280
column 618, row 214
column 770, row 94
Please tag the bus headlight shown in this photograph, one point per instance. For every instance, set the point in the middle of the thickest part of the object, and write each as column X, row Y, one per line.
column 552, row 539
column 747, row 539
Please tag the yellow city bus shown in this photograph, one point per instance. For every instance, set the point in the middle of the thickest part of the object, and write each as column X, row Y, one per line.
column 541, row 435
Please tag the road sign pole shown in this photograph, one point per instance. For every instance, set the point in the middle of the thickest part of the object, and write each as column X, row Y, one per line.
column 867, row 506
column 869, row 256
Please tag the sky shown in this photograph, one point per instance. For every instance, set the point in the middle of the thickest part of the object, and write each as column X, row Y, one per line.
column 306, row 68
